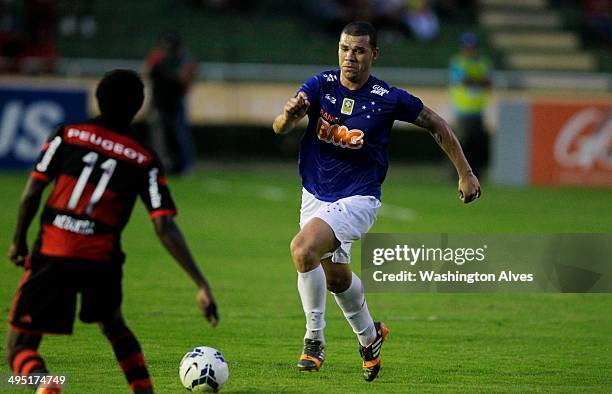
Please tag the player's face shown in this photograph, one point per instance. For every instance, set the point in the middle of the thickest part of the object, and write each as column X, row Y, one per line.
column 355, row 56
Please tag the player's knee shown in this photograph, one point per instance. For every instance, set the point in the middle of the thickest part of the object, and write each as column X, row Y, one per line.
column 304, row 258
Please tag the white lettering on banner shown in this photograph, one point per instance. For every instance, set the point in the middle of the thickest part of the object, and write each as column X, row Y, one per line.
column 576, row 148
column 38, row 120
column 9, row 126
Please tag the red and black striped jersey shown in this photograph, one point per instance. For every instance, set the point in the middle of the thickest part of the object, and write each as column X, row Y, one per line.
column 98, row 174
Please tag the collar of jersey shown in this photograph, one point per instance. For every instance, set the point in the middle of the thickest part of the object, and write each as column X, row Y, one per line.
column 346, row 90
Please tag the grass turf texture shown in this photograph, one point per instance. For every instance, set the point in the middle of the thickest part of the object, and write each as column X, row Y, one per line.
column 239, row 222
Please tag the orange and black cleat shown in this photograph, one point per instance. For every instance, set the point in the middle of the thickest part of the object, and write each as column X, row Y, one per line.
column 371, row 353
column 312, row 357
column 49, row 389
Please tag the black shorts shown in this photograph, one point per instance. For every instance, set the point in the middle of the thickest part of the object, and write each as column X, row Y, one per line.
column 46, row 299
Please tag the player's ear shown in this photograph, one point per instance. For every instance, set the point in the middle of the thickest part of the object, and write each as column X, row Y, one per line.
column 375, row 53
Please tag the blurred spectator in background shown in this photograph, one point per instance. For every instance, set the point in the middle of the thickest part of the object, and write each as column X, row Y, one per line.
column 597, row 20
column 11, row 37
column 79, row 18
column 470, row 85
column 335, row 14
column 39, row 53
column 229, row 5
column 422, row 20
column 461, row 11
column 415, row 17
column 171, row 72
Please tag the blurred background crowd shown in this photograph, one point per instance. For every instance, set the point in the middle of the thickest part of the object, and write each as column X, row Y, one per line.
column 423, row 33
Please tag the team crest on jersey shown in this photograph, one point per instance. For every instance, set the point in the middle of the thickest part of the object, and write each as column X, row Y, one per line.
column 347, row 106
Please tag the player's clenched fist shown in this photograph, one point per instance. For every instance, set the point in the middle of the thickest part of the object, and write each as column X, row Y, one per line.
column 294, row 110
column 17, row 254
column 208, row 305
column 469, row 188
column 296, row 107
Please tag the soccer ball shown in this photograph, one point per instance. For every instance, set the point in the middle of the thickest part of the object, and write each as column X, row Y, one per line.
column 203, row 369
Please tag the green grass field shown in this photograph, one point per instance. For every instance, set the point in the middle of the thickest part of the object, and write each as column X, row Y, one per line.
column 239, row 221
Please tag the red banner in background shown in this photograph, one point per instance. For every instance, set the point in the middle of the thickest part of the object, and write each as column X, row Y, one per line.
column 571, row 144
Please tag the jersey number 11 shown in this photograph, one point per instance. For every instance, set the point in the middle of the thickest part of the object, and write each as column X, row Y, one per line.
column 108, row 167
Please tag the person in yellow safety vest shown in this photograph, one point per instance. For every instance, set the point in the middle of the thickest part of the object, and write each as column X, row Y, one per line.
column 470, row 85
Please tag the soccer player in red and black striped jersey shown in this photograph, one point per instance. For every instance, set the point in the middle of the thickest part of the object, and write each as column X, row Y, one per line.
column 99, row 170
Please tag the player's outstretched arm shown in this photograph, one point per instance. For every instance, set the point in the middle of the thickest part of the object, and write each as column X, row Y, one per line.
column 469, row 187
column 294, row 110
column 171, row 237
column 30, row 200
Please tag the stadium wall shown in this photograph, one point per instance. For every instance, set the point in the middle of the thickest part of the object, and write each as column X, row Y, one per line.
column 233, row 119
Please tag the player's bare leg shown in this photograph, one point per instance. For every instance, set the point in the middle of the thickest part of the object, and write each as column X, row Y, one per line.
column 314, row 240
column 350, row 297
column 128, row 353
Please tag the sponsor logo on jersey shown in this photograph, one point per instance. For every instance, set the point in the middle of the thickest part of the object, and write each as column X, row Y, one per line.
column 339, row 135
column 330, row 98
column 105, row 143
column 328, row 117
column 154, row 189
column 347, row 106
column 330, row 77
column 78, row 226
column 26, row 319
column 379, row 90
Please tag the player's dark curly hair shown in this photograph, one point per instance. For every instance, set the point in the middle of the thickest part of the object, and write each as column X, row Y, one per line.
column 361, row 28
column 120, row 95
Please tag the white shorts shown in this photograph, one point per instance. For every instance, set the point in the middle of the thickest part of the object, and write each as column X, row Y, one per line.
column 349, row 218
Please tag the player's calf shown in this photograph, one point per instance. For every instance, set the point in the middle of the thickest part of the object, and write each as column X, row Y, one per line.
column 128, row 353
column 338, row 277
column 22, row 353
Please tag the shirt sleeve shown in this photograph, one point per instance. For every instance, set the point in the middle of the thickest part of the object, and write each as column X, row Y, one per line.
column 408, row 107
column 155, row 193
column 48, row 162
column 312, row 88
